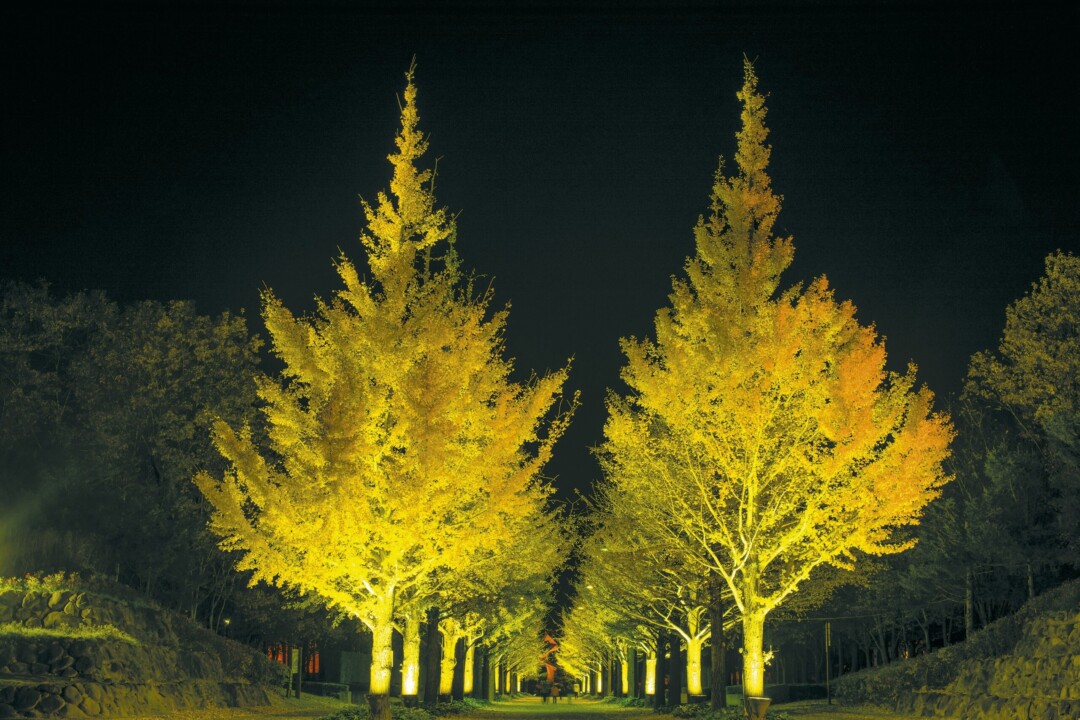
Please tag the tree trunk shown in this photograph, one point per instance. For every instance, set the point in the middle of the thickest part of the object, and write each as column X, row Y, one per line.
column 969, row 605
column 410, row 665
column 717, row 664
column 675, row 669
column 432, row 661
column 693, row 666
column 624, row 672
column 659, row 699
column 650, row 674
column 753, row 625
column 382, row 660
column 467, row 667
column 451, row 631
column 1030, row 582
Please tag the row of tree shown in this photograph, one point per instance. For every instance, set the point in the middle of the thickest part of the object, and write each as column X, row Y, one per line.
column 391, row 473
column 764, row 455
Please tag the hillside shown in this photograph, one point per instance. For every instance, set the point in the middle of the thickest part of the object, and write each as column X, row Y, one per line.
column 71, row 650
column 1025, row 666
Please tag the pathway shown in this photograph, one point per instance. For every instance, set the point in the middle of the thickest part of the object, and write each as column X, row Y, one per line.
column 525, row 708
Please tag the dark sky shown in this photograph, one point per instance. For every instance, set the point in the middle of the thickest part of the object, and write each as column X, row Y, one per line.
column 927, row 157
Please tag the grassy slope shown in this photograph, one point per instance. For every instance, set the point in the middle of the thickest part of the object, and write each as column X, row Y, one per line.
column 936, row 670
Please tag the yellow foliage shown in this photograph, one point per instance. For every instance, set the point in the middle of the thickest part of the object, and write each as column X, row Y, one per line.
column 397, row 450
column 763, row 436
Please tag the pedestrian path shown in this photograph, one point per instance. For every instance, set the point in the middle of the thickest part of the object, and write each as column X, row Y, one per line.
column 525, row 708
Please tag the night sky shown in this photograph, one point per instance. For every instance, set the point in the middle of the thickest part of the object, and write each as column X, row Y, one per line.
column 927, row 157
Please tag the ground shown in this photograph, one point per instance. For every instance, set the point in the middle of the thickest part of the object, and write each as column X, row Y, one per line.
column 526, row 709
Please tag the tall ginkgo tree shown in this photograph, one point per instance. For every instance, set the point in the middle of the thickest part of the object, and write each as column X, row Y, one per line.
column 762, row 436
column 398, row 448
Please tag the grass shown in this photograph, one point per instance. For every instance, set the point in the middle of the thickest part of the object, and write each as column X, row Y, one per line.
column 79, row 632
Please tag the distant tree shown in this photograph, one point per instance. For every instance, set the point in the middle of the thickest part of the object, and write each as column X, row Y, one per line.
column 399, row 449
column 105, row 413
column 1033, row 377
column 644, row 584
column 150, row 389
column 762, row 437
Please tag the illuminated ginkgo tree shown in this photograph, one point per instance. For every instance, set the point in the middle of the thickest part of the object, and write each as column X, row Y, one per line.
column 762, row 436
column 398, row 448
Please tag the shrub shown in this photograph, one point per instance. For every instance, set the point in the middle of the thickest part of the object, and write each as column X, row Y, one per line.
column 36, row 582
column 458, row 707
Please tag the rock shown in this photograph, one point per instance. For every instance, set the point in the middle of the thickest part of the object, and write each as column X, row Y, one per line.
column 6, row 711
column 51, row 653
column 84, row 664
column 7, row 694
column 57, row 619
column 39, row 669
column 50, row 703
column 67, row 673
column 90, row 706
column 57, row 599
column 32, row 622
column 26, row 698
column 72, row 695
column 70, row 608
column 79, row 648
column 70, row 710
column 63, row 663
column 27, row 653
column 94, row 691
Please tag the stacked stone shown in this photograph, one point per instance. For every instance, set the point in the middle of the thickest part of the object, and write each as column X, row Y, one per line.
column 70, row 677
column 60, row 609
column 1038, row 680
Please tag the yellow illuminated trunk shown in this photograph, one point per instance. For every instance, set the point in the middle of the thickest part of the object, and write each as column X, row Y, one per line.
column 693, row 666
column 451, row 631
column 470, row 654
column 599, row 678
column 410, row 666
column 382, row 660
column 624, row 673
column 650, row 675
column 446, row 667
column 753, row 625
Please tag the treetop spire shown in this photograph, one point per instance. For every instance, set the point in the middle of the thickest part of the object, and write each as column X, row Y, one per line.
column 406, row 223
column 737, row 255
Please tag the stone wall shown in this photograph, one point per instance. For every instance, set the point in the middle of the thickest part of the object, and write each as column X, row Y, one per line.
column 1038, row 680
column 172, row 665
